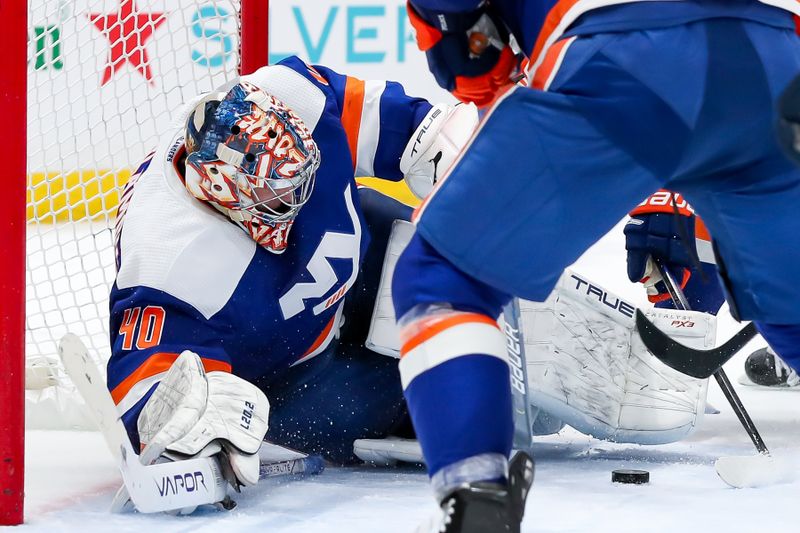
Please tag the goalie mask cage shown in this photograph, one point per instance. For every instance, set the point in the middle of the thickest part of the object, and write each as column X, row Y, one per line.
column 94, row 83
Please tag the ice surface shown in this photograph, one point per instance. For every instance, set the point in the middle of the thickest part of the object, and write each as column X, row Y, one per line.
column 71, row 479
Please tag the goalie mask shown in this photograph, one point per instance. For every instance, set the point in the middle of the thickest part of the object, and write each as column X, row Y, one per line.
column 254, row 160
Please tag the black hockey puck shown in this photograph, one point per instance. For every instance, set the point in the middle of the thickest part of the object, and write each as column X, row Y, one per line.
column 636, row 477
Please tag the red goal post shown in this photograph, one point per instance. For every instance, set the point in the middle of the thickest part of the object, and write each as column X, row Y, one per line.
column 13, row 87
column 25, row 55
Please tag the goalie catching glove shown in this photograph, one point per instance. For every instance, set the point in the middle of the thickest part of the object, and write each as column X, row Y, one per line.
column 435, row 145
column 194, row 414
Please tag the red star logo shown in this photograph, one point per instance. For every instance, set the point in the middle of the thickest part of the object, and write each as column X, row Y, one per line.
column 127, row 30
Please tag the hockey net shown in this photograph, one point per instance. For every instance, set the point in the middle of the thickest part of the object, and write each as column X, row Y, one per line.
column 105, row 77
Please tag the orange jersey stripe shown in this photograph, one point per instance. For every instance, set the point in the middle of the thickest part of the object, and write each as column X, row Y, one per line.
column 432, row 326
column 550, row 25
column 549, row 64
column 155, row 364
column 321, row 338
column 351, row 113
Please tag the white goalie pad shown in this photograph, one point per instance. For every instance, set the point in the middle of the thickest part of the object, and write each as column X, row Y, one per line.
column 384, row 336
column 388, row 451
column 587, row 366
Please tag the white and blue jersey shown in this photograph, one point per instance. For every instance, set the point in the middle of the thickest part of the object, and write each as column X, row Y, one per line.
column 189, row 279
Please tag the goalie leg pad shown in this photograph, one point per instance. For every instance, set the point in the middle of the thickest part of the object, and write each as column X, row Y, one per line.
column 587, row 365
column 382, row 214
column 384, row 335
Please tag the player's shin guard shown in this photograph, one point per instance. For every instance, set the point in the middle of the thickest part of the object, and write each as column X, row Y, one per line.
column 455, row 376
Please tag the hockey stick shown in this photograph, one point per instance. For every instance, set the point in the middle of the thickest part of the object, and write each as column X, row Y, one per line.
column 302, row 466
column 163, row 486
column 738, row 472
column 680, row 302
column 700, row 364
column 515, row 345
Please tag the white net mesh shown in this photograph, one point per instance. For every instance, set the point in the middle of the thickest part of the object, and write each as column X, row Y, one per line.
column 103, row 77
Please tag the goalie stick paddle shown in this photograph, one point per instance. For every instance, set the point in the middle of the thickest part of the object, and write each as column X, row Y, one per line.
column 699, row 364
column 152, row 488
column 310, row 465
column 164, row 486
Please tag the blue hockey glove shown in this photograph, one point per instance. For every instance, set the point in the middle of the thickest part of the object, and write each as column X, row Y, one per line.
column 653, row 232
column 468, row 53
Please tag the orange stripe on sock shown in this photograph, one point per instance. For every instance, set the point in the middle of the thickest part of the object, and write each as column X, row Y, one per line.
column 351, row 113
column 155, row 364
column 432, row 326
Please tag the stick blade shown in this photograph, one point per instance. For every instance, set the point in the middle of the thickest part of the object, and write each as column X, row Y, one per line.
column 154, row 488
column 699, row 364
column 753, row 471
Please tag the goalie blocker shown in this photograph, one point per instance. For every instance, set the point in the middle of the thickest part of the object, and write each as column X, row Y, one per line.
column 586, row 365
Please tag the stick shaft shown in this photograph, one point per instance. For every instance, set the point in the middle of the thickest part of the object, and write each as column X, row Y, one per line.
column 515, row 344
column 680, row 301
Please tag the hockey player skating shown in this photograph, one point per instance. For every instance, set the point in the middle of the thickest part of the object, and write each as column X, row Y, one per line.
column 626, row 97
column 248, row 263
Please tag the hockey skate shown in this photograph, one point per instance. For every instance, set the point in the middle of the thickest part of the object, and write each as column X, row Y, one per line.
column 483, row 507
column 763, row 367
